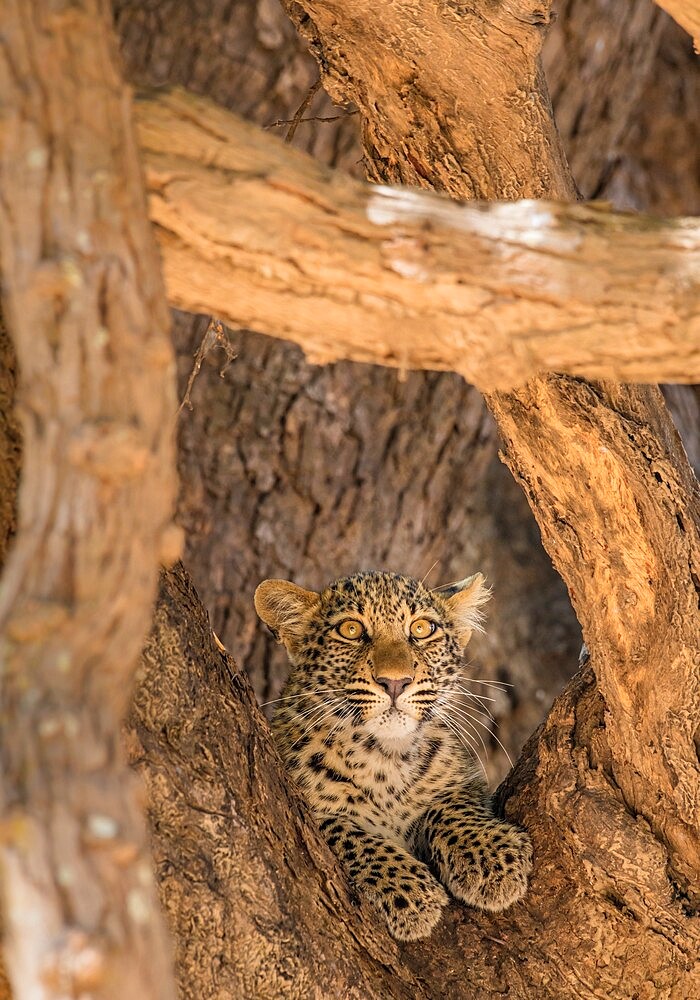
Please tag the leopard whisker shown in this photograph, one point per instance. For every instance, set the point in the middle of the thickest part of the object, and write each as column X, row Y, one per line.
column 483, row 709
column 313, row 724
column 490, row 683
column 491, row 733
column 472, row 694
column 463, row 737
column 475, row 732
column 308, row 715
column 296, row 697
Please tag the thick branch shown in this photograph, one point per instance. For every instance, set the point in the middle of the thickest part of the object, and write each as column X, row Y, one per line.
column 263, row 237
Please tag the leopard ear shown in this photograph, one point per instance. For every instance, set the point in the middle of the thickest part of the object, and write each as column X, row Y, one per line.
column 285, row 607
column 464, row 600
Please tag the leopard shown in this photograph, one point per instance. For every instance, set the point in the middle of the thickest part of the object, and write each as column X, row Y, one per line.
column 368, row 727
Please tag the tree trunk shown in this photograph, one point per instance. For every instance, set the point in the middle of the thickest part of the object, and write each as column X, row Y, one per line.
column 270, row 915
column 84, row 302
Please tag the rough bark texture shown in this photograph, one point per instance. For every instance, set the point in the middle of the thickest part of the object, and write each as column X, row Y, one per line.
column 623, row 530
column 10, row 442
column 269, row 915
column 84, row 302
column 10, row 458
column 263, row 237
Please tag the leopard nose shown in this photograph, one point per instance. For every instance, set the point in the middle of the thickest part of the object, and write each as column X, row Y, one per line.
column 393, row 686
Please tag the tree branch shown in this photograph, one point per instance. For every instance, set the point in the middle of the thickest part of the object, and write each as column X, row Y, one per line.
column 263, row 237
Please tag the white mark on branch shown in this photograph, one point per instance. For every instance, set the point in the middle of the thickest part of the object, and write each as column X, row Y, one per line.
column 526, row 223
column 102, row 827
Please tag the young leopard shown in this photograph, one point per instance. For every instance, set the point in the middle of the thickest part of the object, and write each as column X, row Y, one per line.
column 369, row 727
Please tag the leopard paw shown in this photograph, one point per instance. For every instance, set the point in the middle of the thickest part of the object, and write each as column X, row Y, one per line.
column 491, row 872
column 411, row 907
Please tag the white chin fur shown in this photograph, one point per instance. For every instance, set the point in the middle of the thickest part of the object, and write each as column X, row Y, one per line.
column 393, row 729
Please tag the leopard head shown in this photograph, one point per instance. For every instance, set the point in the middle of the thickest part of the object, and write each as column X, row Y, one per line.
column 383, row 649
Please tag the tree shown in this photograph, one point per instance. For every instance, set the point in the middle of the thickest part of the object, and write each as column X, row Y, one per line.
column 602, row 774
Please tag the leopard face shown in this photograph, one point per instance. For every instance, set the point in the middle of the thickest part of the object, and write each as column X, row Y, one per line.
column 381, row 650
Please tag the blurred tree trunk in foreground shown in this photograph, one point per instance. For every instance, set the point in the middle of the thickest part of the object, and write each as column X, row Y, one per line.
column 84, row 302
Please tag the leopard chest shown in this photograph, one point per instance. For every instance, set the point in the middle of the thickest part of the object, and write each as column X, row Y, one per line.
column 388, row 791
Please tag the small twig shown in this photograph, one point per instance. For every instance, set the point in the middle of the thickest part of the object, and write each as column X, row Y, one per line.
column 215, row 336
column 316, row 118
column 302, row 108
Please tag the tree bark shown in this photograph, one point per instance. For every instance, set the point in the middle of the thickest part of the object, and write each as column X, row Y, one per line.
column 270, row 915
column 262, row 237
column 84, row 302
column 10, row 443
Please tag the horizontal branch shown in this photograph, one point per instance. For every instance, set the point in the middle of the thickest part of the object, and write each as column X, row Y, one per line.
column 261, row 236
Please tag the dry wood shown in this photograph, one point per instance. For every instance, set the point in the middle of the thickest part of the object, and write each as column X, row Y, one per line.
column 84, row 303
column 264, row 237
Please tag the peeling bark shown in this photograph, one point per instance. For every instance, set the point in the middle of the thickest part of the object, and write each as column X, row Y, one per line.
column 85, row 306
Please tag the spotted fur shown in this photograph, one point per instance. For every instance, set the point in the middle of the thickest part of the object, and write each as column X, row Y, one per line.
column 370, row 728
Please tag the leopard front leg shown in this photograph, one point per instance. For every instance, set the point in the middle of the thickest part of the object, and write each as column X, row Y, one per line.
column 403, row 889
column 484, row 861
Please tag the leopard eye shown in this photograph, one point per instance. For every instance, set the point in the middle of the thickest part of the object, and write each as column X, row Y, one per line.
column 350, row 629
column 421, row 628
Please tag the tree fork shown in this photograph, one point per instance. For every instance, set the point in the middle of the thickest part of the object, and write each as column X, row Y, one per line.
column 84, row 302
